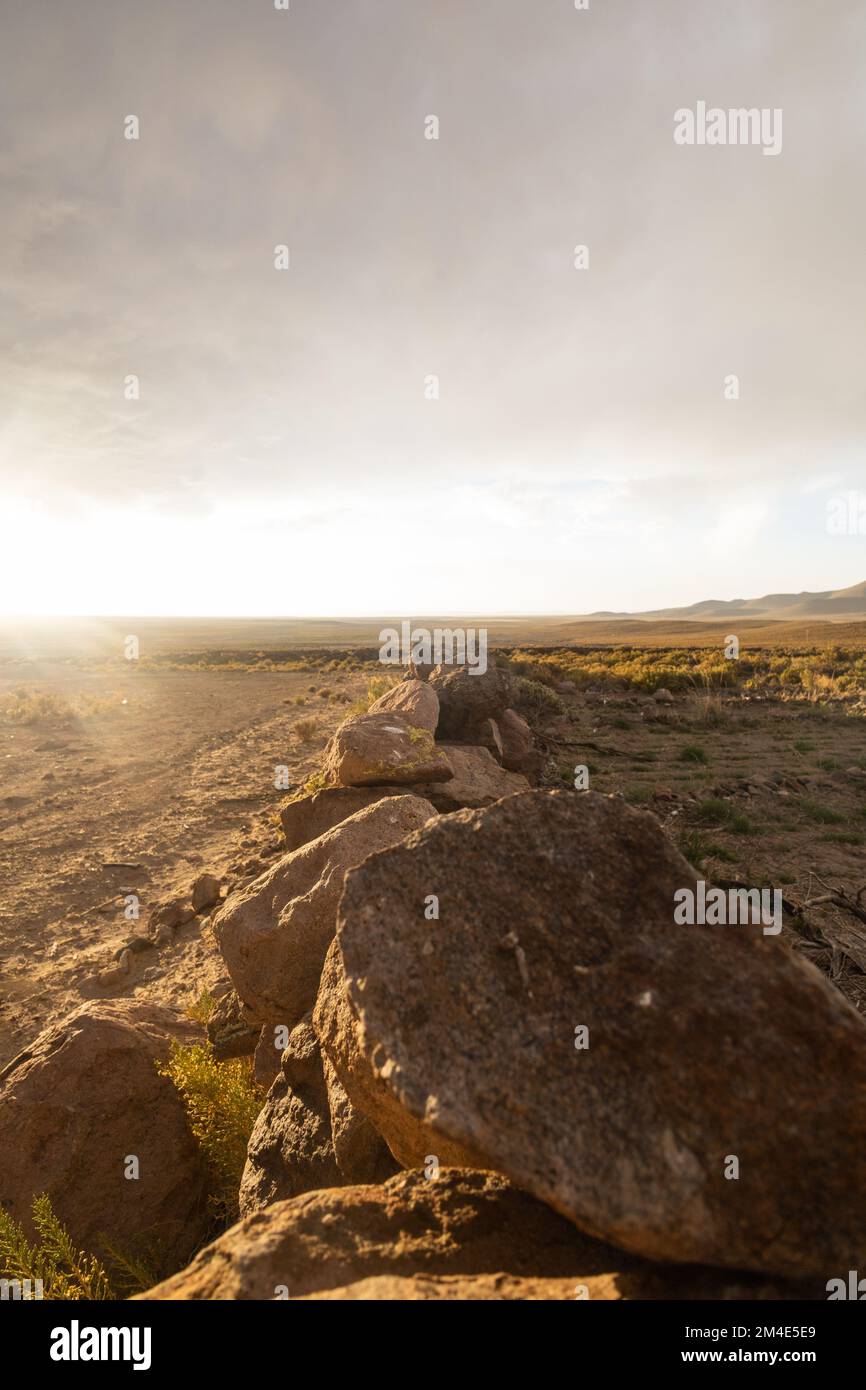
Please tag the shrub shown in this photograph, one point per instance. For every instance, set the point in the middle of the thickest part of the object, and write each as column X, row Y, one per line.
column 66, row 1273
column 693, row 754
column 304, row 730
column 222, row 1102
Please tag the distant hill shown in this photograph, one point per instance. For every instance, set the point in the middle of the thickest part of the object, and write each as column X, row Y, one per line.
column 826, row 606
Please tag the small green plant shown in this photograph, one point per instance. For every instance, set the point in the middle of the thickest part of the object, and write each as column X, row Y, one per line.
column 692, row 753
column 201, row 1008
column 821, row 815
column 65, row 1273
column 222, row 1102
column 304, row 730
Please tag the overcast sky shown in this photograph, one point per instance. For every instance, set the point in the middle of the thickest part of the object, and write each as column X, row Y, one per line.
column 282, row 457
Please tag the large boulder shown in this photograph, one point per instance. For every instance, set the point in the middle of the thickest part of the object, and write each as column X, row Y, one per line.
column 274, row 933
column 383, row 748
column 415, row 700
column 456, row 1235
column 294, row 1146
column 409, row 1139
column 478, row 780
column 467, row 698
column 715, row 1109
column 77, row 1105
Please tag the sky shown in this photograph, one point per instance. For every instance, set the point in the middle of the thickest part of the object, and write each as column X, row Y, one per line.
column 287, row 452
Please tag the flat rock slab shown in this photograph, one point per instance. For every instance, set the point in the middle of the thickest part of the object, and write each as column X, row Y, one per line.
column 383, row 748
column 706, row 1043
column 462, row 1234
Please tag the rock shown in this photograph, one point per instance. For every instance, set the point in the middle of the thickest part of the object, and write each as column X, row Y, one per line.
column 266, row 1060
column 228, row 1032
column 310, row 816
column 467, row 698
column 205, row 892
column 165, row 920
column 136, row 944
column 292, row 1149
column 519, row 753
column 663, row 697
column 384, row 748
column 342, row 1044
column 705, row 1043
column 74, row 1107
column 415, row 700
column 273, row 933
column 490, row 738
column 478, row 780
column 460, row 1235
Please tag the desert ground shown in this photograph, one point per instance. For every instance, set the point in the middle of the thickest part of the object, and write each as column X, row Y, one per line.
column 128, row 778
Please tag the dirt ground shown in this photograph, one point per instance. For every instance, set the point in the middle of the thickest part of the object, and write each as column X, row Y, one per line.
column 177, row 781
column 162, row 774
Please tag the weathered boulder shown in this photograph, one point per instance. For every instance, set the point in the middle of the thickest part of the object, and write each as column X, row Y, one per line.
column 415, row 700
column 705, row 1044
column 478, row 780
column 459, row 1235
column 467, row 698
column 383, row 748
column 77, row 1104
column 273, row 933
column 310, row 816
column 409, row 1139
column 292, row 1148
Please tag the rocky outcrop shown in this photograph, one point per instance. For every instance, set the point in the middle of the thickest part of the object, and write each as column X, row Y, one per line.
column 86, row 1118
column 274, row 934
column 383, row 748
column 668, row 1088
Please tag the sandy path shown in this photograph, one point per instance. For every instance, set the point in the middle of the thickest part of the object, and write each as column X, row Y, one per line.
column 177, row 781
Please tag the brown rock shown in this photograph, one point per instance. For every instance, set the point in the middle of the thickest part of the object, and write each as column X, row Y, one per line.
column 556, row 912
column 383, row 748
column 415, row 700
column 171, row 915
column 467, row 698
column 310, row 816
column 228, row 1032
column 308, row 1135
column 408, row 1138
column 273, row 933
column 461, row 1235
column 490, row 738
column 519, row 753
column 478, row 780
column 205, row 892
column 76, row 1104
